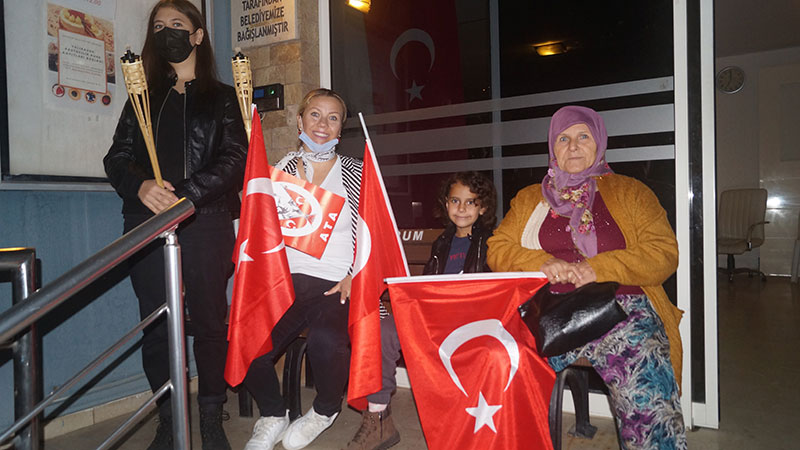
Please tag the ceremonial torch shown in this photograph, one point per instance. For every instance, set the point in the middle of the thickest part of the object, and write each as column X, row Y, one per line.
column 136, row 83
column 243, row 82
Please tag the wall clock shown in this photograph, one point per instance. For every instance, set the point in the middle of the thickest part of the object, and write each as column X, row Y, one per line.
column 730, row 79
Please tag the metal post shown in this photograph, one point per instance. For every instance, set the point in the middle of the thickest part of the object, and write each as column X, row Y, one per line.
column 177, row 343
column 26, row 350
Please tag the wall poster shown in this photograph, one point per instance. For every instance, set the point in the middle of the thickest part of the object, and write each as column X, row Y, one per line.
column 81, row 63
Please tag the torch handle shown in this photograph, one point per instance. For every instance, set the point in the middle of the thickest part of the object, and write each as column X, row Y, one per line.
column 141, row 106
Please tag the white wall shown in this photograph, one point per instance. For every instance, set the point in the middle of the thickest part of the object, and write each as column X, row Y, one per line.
column 743, row 122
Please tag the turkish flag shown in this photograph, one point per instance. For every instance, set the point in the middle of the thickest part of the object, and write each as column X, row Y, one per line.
column 477, row 379
column 262, row 284
column 379, row 255
column 414, row 54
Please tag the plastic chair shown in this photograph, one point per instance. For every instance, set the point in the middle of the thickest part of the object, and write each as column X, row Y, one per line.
column 740, row 226
column 577, row 377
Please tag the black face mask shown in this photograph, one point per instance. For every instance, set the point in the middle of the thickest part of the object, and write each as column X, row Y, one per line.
column 173, row 45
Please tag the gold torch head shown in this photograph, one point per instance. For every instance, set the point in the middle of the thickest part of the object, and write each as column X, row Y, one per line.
column 133, row 72
column 242, row 76
column 243, row 82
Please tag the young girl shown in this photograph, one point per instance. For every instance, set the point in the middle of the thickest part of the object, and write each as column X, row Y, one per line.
column 467, row 202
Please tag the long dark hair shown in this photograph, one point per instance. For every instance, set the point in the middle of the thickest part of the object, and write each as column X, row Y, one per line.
column 158, row 70
column 479, row 185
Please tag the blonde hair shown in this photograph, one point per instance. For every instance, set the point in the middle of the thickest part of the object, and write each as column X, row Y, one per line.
column 325, row 93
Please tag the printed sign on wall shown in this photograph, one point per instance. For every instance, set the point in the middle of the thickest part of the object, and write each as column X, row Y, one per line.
column 260, row 22
column 80, row 59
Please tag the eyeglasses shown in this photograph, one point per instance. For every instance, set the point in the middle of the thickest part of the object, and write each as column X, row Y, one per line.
column 468, row 203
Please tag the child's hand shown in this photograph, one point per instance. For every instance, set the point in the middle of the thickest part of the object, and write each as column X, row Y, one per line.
column 343, row 287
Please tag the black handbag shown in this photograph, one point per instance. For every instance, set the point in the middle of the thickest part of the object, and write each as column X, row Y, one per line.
column 563, row 322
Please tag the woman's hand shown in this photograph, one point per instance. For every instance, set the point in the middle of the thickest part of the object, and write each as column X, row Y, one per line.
column 343, row 287
column 583, row 273
column 155, row 197
column 557, row 270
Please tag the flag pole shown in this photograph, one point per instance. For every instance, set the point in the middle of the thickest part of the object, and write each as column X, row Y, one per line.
column 383, row 191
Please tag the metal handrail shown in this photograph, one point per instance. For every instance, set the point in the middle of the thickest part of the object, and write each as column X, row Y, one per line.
column 21, row 316
column 24, row 314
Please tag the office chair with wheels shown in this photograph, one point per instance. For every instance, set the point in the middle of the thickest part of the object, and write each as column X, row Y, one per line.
column 740, row 226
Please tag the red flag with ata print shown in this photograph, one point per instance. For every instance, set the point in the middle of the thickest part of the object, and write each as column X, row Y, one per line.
column 379, row 255
column 307, row 213
column 477, row 379
column 262, row 283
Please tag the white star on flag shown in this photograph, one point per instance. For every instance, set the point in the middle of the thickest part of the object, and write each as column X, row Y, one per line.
column 483, row 413
column 243, row 256
column 415, row 91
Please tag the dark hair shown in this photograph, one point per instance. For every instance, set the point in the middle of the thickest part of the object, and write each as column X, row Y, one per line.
column 158, row 70
column 324, row 93
column 478, row 184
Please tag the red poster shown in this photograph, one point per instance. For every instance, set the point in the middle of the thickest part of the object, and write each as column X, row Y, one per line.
column 307, row 212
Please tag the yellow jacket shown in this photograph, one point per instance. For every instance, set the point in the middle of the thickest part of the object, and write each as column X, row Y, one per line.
column 649, row 258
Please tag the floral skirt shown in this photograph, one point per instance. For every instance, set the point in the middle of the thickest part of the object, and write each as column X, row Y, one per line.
column 633, row 360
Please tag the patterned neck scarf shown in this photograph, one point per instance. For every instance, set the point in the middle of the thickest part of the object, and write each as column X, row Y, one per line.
column 309, row 157
column 572, row 194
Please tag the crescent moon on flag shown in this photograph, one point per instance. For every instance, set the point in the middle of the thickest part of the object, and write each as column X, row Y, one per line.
column 277, row 248
column 410, row 35
column 489, row 327
column 363, row 246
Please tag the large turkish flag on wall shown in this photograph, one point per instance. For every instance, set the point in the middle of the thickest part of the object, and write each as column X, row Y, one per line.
column 414, row 54
column 477, row 379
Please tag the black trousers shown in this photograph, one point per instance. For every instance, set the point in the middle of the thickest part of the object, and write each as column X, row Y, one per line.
column 327, row 349
column 206, row 242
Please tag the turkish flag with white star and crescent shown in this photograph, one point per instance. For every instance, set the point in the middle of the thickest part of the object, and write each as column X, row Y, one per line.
column 262, row 283
column 379, row 255
column 472, row 360
column 414, row 54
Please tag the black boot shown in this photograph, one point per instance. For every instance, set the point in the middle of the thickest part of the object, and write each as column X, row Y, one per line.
column 211, row 431
column 163, row 439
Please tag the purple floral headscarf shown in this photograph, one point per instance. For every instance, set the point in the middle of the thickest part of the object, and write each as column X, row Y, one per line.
column 572, row 194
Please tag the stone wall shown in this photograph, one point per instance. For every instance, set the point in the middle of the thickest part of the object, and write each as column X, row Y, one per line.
column 295, row 64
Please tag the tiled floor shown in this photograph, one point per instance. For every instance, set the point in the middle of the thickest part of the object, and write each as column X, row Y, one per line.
column 759, row 368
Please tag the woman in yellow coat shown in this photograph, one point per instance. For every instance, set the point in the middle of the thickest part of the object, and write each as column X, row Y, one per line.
column 583, row 224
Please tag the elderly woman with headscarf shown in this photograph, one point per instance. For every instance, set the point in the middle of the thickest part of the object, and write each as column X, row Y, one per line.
column 584, row 224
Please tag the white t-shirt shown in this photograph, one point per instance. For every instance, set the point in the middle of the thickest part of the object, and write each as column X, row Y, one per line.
column 339, row 253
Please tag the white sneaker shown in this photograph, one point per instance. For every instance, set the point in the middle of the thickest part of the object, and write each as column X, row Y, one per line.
column 305, row 429
column 267, row 432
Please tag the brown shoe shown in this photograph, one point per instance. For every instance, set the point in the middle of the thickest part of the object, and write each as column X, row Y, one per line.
column 377, row 432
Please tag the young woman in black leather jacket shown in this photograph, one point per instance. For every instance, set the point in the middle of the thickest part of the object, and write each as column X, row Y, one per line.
column 202, row 148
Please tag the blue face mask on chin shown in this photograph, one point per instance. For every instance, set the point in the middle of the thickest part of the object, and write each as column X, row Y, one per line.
column 317, row 148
